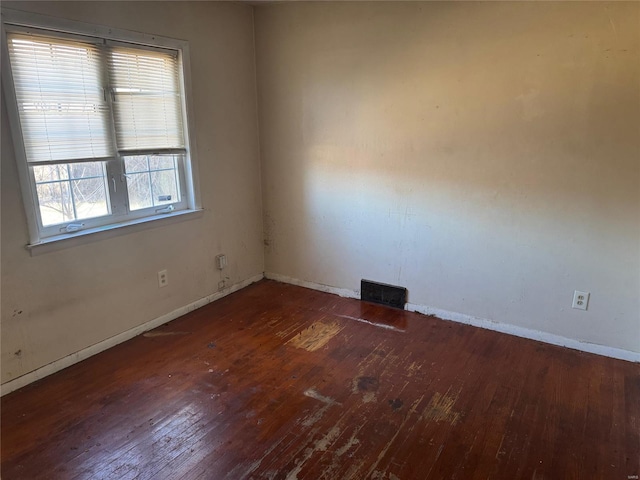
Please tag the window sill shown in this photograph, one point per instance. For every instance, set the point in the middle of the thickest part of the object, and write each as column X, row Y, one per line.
column 89, row 235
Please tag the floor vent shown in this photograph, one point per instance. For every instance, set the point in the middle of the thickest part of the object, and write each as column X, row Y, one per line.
column 390, row 295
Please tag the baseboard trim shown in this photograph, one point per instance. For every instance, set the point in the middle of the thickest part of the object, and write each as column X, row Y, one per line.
column 85, row 353
column 342, row 292
column 509, row 329
column 523, row 332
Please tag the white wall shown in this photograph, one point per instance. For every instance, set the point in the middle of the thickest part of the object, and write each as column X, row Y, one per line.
column 76, row 297
column 484, row 155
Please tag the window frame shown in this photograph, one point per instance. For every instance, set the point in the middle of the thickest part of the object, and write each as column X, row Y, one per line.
column 14, row 20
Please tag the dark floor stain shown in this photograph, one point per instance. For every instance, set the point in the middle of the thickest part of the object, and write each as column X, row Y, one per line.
column 367, row 384
column 396, row 404
column 211, row 345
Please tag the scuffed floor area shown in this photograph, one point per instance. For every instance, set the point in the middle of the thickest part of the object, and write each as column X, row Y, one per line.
column 282, row 382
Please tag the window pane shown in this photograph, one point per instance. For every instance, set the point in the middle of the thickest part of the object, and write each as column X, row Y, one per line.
column 71, row 192
column 55, row 203
column 158, row 162
column 84, row 170
column 152, row 180
column 139, row 188
column 136, row 163
column 90, row 198
column 47, row 173
column 165, row 188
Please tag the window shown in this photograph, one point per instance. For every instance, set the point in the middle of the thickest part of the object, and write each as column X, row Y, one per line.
column 100, row 128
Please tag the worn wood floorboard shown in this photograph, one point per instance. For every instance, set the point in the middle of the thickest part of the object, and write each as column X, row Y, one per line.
column 281, row 382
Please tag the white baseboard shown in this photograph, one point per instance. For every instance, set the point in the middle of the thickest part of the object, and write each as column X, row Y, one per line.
column 527, row 333
column 342, row 292
column 85, row 353
column 479, row 322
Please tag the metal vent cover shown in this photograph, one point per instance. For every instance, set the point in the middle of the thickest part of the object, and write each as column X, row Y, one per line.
column 383, row 293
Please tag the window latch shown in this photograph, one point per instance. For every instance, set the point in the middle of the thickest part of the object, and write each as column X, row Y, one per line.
column 168, row 209
column 72, row 227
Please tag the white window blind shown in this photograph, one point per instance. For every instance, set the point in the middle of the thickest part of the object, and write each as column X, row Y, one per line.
column 147, row 102
column 61, row 101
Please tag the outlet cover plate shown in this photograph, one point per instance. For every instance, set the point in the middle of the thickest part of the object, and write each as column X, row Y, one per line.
column 163, row 278
column 580, row 300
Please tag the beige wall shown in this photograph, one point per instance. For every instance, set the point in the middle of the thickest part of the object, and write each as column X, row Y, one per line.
column 76, row 297
column 484, row 155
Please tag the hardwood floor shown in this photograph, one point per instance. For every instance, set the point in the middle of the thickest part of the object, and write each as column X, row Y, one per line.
column 282, row 382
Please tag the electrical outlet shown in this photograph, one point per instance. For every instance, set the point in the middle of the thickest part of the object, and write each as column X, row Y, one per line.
column 221, row 285
column 580, row 300
column 163, row 278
